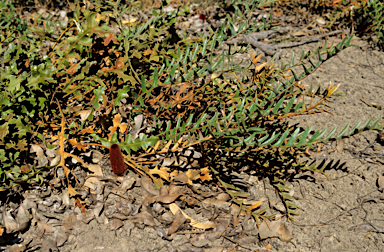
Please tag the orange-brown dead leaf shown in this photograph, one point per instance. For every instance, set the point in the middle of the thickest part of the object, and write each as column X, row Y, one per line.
column 119, row 63
column 205, row 176
column 108, row 39
column 24, row 168
column 72, row 69
column 255, row 60
column 87, row 130
column 78, row 145
column 80, row 205
column 147, row 52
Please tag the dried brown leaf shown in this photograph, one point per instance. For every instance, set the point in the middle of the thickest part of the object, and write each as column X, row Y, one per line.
column 116, row 224
column 269, row 229
column 166, row 199
column 127, row 183
column 9, row 222
column 219, row 204
column 174, row 208
column 97, row 210
column 48, row 245
column 220, row 228
column 206, row 238
column 77, row 221
column 138, row 123
column 147, row 52
column 61, row 235
column 182, row 177
column 177, row 222
column 23, row 217
column 96, row 169
column 148, row 186
column 235, row 219
column 380, row 182
column 201, row 240
column 174, row 189
column 144, row 218
column 72, row 69
column 164, row 191
column 247, row 239
column 84, row 114
column 205, row 176
column 223, row 197
column 43, row 227
column 285, row 233
column 17, row 248
column 72, row 191
column 340, row 145
column 41, row 158
column 108, row 39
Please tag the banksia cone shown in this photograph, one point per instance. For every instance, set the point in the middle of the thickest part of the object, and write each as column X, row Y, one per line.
column 117, row 160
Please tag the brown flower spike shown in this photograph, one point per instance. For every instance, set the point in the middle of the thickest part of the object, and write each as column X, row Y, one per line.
column 117, row 160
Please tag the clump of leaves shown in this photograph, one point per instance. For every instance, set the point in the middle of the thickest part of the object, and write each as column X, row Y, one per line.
column 115, row 77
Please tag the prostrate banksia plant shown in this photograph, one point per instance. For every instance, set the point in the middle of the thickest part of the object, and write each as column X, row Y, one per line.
column 117, row 160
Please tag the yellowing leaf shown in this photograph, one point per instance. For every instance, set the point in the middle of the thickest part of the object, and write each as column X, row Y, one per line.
column 214, row 76
column 116, row 120
column 174, row 208
column 162, row 172
column 129, row 22
column 123, row 127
